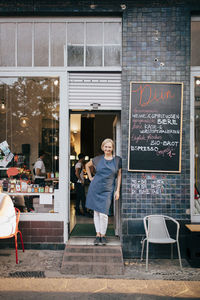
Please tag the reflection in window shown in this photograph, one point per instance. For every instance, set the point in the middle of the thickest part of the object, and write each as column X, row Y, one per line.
column 75, row 55
column 197, row 147
column 112, row 56
column 29, row 112
column 93, row 56
column 31, row 43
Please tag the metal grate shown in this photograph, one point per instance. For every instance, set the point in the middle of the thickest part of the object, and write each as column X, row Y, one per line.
column 36, row 274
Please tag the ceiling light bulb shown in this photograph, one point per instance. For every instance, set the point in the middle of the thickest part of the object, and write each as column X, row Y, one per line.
column 3, row 108
column 56, row 82
column 197, row 82
column 24, row 121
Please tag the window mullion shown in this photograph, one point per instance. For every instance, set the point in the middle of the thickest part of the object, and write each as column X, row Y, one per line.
column 65, row 47
column 33, row 38
column 84, row 51
column 103, row 46
column 16, row 36
column 50, row 43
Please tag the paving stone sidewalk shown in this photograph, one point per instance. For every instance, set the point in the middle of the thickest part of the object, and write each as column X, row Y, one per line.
column 47, row 263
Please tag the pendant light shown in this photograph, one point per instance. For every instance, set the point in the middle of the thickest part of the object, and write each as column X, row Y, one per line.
column 3, row 104
column 24, row 120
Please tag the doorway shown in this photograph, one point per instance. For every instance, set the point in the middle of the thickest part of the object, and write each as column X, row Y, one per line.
column 88, row 129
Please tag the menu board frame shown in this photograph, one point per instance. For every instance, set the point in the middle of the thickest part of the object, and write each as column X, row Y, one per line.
column 159, row 96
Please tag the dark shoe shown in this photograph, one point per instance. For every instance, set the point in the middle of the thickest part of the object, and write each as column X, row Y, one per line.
column 88, row 215
column 79, row 213
column 103, row 241
column 97, row 241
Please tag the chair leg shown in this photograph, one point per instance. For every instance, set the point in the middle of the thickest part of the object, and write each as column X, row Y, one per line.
column 21, row 240
column 147, row 255
column 143, row 242
column 179, row 254
column 171, row 251
column 16, row 249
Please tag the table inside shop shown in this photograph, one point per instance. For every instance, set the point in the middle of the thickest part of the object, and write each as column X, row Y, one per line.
column 53, row 181
column 193, row 244
column 45, row 198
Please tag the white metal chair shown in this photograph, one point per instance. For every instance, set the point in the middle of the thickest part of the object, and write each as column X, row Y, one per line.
column 157, row 233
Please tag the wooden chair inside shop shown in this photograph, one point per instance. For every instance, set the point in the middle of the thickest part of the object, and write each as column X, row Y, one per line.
column 17, row 212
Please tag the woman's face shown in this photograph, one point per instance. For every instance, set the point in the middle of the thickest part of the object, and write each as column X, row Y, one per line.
column 108, row 148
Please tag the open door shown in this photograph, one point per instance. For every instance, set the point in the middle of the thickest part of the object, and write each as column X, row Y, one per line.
column 87, row 131
column 117, row 142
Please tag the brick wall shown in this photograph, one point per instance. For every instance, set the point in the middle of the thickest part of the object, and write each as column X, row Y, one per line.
column 39, row 235
column 151, row 33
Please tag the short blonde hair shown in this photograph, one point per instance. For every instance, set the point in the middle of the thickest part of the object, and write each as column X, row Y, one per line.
column 107, row 141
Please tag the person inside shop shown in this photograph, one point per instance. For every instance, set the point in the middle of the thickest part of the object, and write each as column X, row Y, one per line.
column 7, row 215
column 80, row 185
column 39, row 169
column 105, row 185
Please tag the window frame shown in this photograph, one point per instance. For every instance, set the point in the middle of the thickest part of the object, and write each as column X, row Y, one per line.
column 84, row 20
column 194, row 72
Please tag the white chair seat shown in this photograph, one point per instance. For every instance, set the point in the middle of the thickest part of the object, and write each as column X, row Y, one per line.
column 162, row 241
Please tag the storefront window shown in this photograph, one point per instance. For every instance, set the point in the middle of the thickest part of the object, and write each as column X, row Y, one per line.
column 24, row 45
column 82, row 42
column 195, row 36
column 29, row 112
column 197, row 147
column 7, row 44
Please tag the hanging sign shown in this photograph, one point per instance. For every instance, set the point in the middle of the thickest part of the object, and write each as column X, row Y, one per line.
column 155, row 127
column 7, row 155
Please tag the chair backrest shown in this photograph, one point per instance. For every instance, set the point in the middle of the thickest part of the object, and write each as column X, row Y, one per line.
column 156, row 227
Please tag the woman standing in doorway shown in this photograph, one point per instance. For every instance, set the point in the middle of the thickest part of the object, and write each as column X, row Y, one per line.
column 103, row 186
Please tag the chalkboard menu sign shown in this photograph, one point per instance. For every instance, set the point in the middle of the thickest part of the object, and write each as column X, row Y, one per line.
column 155, row 127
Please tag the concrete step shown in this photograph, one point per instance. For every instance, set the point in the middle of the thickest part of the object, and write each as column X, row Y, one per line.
column 92, row 260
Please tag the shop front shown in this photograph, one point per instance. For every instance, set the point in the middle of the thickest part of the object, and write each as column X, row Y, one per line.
column 44, row 95
column 69, row 80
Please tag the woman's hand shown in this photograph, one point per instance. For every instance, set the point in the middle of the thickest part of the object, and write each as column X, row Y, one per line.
column 88, row 166
column 117, row 195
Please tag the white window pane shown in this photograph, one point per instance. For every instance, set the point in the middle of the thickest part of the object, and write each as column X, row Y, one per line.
column 75, row 33
column 94, row 33
column 58, row 40
column 41, row 44
column 195, row 40
column 24, row 44
column 112, row 33
column 94, row 56
column 197, row 146
column 7, row 44
column 112, row 56
column 75, row 55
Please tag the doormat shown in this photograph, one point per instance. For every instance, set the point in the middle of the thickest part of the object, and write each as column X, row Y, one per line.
column 28, row 274
column 89, row 230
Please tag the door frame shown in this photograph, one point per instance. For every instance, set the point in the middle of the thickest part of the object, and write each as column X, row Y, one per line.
column 195, row 72
column 117, row 123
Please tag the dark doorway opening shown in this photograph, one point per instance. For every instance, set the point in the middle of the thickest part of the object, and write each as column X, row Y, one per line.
column 91, row 129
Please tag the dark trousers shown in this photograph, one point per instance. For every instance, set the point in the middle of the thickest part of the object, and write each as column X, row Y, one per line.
column 40, row 181
column 80, row 196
